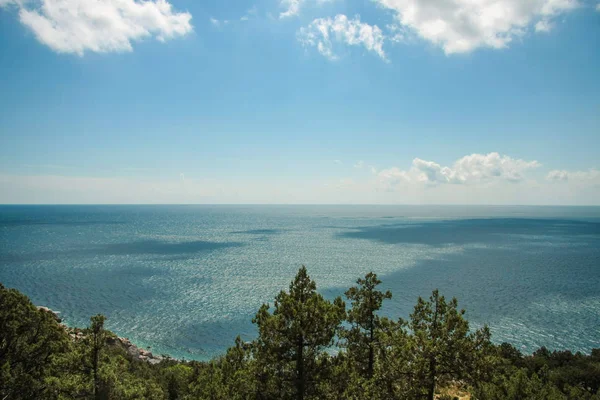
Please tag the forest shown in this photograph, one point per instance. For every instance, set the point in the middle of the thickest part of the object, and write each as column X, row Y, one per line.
column 307, row 347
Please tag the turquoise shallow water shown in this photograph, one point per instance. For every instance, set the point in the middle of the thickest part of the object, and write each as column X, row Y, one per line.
column 187, row 279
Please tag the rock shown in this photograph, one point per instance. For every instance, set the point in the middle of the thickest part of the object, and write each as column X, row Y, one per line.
column 135, row 352
column 54, row 313
column 155, row 360
column 132, row 350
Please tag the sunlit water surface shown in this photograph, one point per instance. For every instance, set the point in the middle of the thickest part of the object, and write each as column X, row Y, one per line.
column 186, row 280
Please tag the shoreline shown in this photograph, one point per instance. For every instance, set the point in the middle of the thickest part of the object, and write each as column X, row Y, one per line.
column 136, row 352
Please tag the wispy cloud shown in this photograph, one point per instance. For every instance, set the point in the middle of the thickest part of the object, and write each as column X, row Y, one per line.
column 218, row 22
column 543, row 26
column 77, row 26
column 557, row 176
column 323, row 33
column 590, row 176
column 252, row 12
column 292, row 7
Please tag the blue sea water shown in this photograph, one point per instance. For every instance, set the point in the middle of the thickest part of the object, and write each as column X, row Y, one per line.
column 186, row 280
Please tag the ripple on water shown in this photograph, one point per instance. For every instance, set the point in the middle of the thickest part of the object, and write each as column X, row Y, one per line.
column 187, row 280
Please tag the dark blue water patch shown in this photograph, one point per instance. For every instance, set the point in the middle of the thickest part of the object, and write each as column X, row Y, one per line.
column 25, row 222
column 495, row 285
column 177, row 250
column 204, row 340
column 158, row 247
column 17, row 215
column 259, row 232
column 440, row 233
column 79, row 293
column 10, row 258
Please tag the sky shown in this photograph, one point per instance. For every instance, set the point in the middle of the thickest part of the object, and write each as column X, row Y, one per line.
column 300, row 101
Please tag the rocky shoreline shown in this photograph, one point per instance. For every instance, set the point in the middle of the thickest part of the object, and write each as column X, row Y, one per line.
column 137, row 353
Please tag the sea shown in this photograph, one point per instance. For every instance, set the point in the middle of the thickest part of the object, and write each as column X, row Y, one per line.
column 186, row 280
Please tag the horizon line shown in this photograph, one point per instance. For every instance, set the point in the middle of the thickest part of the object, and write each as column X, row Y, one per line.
column 304, row 204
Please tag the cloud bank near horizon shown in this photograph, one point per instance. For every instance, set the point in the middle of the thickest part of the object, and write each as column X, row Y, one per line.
column 473, row 179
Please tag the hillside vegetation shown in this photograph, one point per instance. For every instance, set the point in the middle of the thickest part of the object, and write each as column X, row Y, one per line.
column 307, row 348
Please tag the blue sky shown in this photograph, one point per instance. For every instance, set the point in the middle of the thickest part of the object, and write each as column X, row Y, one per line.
column 300, row 101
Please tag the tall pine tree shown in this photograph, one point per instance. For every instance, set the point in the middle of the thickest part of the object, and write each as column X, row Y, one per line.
column 293, row 337
column 362, row 336
column 442, row 346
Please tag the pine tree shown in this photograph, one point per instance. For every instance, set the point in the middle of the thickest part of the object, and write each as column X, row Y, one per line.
column 362, row 337
column 30, row 339
column 97, row 342
column 442, row 345
column 295, row 335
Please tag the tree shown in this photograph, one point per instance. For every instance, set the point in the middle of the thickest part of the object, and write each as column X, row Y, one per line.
column 519, row 386
column 361, row 338
column 30, row 339
column 97, row 342
column 293, row 337
column 394, row 376
column 177, row 378
column 236, row 366
column 442, row 345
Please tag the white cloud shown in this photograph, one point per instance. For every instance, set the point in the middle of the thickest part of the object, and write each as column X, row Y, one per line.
column 598, row 7
column 433, row 173
column 293, row 6
column 218, row 22
column 396, row 33
column 471, row 169
column 77, row 26
column 360, row 164
column 323, row 32
column 389, row 186
column 591, row 176
column 481, row 167
column 252, row 12
column 460, row 26
column 387, row 179
column 543, row 26
column 339, row 162
column 557, row 175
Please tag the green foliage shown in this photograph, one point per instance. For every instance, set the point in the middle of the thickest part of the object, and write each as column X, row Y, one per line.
column 518, row 386
column 294, row 356
column 442, row 347
column 97, row 339
column 30, row 340
column 292, row 339
column 177, row 377
column 363, row 336
column 557, row 374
